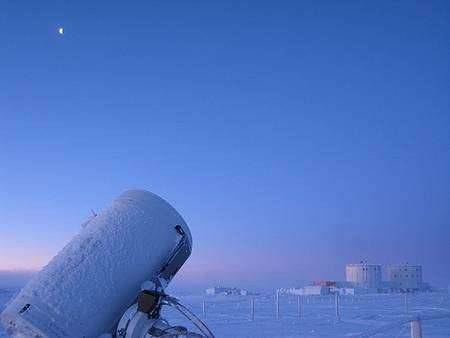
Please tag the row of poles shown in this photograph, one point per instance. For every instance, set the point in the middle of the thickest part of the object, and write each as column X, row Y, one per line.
column 415, row 324
column 300, row 301
column 277, row 306
column 337, row 304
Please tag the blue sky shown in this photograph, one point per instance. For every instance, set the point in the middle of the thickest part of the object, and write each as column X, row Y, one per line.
column 292, row 136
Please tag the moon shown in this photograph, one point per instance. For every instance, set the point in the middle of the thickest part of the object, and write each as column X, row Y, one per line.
column 61, row 30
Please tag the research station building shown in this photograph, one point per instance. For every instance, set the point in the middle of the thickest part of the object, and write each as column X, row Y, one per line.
column 364, row 275
column 405, row 277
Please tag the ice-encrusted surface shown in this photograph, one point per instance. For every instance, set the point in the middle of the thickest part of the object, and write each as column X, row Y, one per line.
column 5, row 296
column 87, row 286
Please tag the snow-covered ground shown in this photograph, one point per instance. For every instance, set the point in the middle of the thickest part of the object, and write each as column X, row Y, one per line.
column 230, row 316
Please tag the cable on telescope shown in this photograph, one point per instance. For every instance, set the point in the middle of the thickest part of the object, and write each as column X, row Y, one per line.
column 171, row 301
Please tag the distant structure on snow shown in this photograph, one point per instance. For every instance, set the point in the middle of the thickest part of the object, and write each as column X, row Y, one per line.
column 364, row 275
column 405, row 277
column 226, row 291
column 364, row 278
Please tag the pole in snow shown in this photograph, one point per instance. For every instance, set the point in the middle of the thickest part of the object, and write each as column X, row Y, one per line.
column 299, row 305
column 252, row 309
column 277, row 305
column 416, row 328
column 406, row 303
column 338, row 314
column 204, row 308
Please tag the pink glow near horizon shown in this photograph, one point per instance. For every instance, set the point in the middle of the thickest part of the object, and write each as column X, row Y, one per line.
column 209, row 264
column 18, row 259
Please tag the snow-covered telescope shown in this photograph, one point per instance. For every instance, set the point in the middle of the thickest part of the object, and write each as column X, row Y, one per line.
column 86, row 288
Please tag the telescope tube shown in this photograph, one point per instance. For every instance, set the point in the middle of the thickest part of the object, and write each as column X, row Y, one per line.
column 88, row 285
